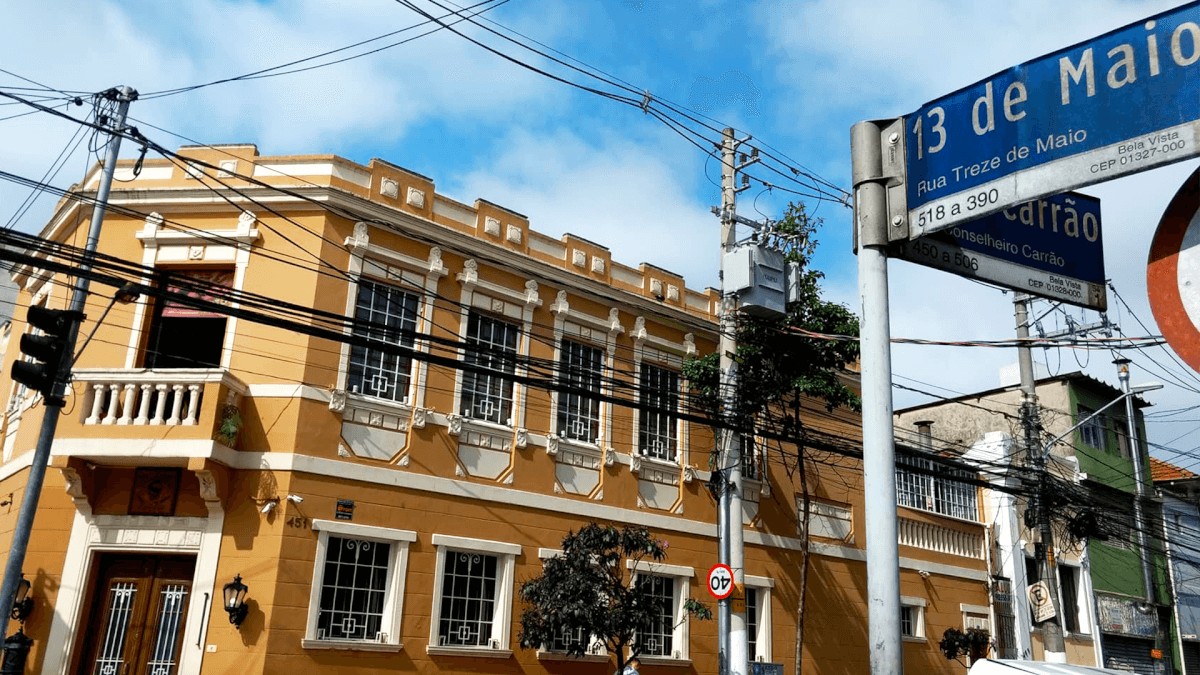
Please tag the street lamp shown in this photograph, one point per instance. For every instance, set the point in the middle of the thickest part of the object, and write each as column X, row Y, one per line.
column 235, row 600
column 22, row 603
column 1135, row 453
column 1125, row 396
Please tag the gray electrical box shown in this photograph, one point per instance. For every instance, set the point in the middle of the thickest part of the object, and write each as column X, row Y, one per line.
column 758, row 275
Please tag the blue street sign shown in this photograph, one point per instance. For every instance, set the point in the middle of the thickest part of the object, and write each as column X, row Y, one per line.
column 1048, row 247
column 1123, row 102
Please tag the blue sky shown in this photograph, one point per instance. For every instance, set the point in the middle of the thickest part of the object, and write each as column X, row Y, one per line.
column 795, row 75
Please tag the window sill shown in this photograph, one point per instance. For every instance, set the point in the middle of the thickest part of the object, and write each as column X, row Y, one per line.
column 664, row 661
column 351, row 645
column 658, row 461
column 563, row 656
column 911, row 638
column 474, row 652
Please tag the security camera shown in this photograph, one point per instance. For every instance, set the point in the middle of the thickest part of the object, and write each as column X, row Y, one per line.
column 269, row 506
column 295, row 499
column 924, row 574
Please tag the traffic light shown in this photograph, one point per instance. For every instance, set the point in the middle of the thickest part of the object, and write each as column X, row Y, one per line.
column 48, row 350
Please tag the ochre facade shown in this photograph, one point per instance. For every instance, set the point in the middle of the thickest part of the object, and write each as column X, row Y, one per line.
column 226, row 446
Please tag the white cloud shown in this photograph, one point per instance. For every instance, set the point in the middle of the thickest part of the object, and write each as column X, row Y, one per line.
column 621, row 192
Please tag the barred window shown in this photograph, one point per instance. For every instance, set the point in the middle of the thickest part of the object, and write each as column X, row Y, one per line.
column 468, row 599
column 580, row 367
column 922, row 484
column 491, row 344
column 658, row 428
column 908, row 621
column 752, row 622
column 752, row 461
column 353, row 588
column 387, row 314
column 657, row 638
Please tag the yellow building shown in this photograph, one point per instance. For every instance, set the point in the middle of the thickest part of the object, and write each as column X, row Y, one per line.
column 383, row 510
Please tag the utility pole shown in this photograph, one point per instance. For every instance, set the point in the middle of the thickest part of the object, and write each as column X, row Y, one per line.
column 730, row 624
column 123, row 96
column 871, row 225
column 1135, row 452
column 1036, row 457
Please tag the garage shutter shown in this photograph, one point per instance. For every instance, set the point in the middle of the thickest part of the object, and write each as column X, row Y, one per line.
column 1132, row 655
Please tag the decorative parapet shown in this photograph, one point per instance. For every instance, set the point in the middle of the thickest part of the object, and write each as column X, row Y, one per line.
column 941, row 538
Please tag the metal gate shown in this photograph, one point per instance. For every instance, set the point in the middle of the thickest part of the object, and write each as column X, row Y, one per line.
column 1132, row 655
column 1191, row 658
column 1006, row 624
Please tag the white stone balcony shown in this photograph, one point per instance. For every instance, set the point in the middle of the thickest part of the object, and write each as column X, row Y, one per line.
column 959, row 539
column 186, row 404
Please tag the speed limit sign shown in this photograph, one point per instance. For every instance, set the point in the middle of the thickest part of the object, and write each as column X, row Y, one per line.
column 720, row 581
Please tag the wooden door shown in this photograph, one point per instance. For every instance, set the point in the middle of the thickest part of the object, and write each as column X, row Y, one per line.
column 134, row 622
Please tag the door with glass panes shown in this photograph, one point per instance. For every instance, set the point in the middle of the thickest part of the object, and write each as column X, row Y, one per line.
column 133, row 624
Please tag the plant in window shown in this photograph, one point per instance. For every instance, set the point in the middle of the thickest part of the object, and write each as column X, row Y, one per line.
column 585, row 592
column 973, row 643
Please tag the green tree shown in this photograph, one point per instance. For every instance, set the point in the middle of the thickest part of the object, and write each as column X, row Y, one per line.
column 586, row 593
column 780, row 361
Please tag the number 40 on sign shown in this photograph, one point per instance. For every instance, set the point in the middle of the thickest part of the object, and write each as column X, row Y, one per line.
column 720, row 581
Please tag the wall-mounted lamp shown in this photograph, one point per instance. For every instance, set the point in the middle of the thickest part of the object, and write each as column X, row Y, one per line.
column 22, row 603
column 235, row 600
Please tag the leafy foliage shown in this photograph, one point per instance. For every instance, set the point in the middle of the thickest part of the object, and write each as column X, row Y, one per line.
column 973, row 643
column 775, row 362
column 587, row 593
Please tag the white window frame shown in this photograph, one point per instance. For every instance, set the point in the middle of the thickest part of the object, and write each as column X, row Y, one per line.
column 762, row 638
column 412, row 274
column 917, row 606
column 394, row 602
column 669, row 355
column 1083, row 618
column 500, row 639
column 596, row 332
column 976, row 612
column 681, row 633
column 396, row 284
column 671, row 418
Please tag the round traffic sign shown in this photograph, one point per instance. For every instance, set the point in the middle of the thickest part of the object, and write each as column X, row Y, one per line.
column 1173, row 272
column 720, row 581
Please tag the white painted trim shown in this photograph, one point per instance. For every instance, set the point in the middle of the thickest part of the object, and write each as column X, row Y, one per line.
column 758, row 582
column 501, row 606
column 480, row 492
column 16, row 465
column 659, row 568
column 342, row 528
column 974, row 609
column 912, row 601
column 393, row 603
column 472, row 544
column 763, row 646
column 142, row 449
column 302, row 391
column 548, row 553
column 88, row 537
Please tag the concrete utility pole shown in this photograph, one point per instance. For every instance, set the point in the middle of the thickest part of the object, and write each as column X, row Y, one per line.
column 1036, row 457
column 733, row 640
column 123, row 96
column 879, row 450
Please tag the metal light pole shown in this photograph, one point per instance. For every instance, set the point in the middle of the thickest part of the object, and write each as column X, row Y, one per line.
column 879, row 451
column 1135, row 451
column 41, row 454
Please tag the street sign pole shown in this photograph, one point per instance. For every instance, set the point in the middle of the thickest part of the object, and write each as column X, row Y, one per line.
column 869, row 154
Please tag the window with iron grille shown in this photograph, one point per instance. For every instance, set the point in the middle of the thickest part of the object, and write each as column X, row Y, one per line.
column 908, row 622
column 468, row 599
column 657, row 637
column 353, row 589
column 752, row 622
column 912, row 617
column 387, row 314
column 658, row 428
column 752, row 460
column 923, row 484
column 492, row 345
column 580, row 368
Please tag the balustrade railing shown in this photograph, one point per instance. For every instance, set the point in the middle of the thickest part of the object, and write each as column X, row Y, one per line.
column 147, row 397
column 940, row 538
